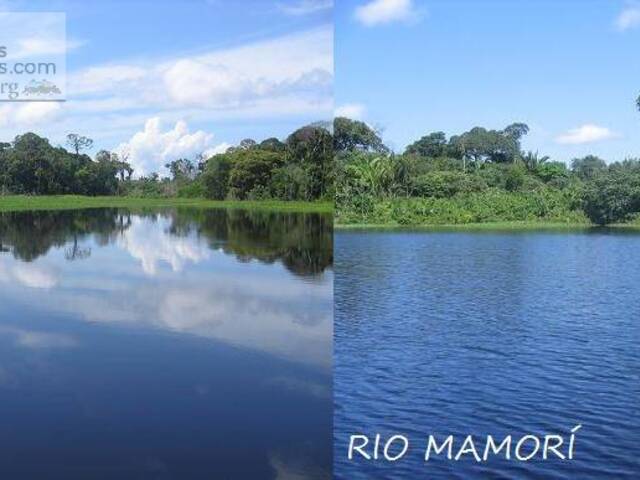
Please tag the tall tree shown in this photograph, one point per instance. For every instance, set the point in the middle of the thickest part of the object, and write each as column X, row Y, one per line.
column 588, row 167
column 79, row 142
column 311, row 147
column 433, row 145
column 350, row 135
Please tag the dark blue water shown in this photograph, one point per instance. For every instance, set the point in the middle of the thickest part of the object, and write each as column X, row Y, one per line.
column 489, row 333
column 165, row 345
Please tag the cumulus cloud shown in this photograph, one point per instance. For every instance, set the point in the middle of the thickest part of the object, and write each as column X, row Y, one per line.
column 150, row 149
column 629, row 18
column 281, row 76
column 588, row 133
column 377, row 12
column 354, row 111
column 221, row 148
column 305, row 7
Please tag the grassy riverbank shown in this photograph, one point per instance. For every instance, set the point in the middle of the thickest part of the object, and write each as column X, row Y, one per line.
column 66, row 202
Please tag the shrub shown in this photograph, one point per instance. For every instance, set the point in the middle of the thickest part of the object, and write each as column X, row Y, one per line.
column 552, row 172
column 447, row 184
column 612, row 197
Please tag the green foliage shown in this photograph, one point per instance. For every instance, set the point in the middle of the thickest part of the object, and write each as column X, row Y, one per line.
column 215, row 177
column 532, row 160
column 251, row 171
column 195, row 189
column 30, row 165
column 181, row 170
column 482, row 176
column 554, row 173
column 300, row 169
column 311, row 148
column 350, row 135
column 588, row 167
column 480, row 145
column 483, row 207
column 97, row 178
column 442, row 184
column 515, row 178
column 612, row 197
column 433, row 145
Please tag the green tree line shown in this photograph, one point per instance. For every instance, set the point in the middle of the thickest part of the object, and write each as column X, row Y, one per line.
column 298, row 168
column 481, row 175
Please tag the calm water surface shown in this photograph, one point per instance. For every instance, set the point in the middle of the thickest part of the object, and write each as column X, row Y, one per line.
column 167, row 344
column 489, row 333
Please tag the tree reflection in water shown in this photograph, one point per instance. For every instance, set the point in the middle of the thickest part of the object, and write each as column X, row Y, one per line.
column 303, row 242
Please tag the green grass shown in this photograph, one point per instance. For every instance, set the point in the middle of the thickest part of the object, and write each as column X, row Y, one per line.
column 67, row 202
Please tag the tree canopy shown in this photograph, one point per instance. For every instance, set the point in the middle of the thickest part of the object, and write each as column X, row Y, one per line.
column 350, row 135
column 300, row 168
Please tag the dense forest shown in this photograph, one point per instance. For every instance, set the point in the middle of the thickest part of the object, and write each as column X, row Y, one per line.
column 300, row 168
column 477, row 176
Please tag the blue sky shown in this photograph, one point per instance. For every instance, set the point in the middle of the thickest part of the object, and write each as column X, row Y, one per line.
column 570, row 69
column 163, row 79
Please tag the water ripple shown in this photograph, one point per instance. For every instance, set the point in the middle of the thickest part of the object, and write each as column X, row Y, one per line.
column 457, row 333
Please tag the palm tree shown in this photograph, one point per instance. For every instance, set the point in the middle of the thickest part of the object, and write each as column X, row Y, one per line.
column 532, row 160
column 374, row 175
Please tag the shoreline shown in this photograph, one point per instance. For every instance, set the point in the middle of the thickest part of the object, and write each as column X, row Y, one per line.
column 514, row 226
column 14, row 203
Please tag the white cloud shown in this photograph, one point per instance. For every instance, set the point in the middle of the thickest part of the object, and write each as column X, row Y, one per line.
column 629, row 18
column 354, row 111
column 588, row 133
column 149, row 150
column 36, row 112
column 41, row 46
column 377, row 12
column 26, row 115
column 298, row 65
column 305, row 7
column 288, row 76
column 105, row 78
column 223, row 147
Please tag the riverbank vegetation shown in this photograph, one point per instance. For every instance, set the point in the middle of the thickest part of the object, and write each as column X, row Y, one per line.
column 478, row 176
column 297, row 169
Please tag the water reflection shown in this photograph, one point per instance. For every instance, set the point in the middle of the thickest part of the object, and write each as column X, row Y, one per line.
column 146, row 330
column 302, row 242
